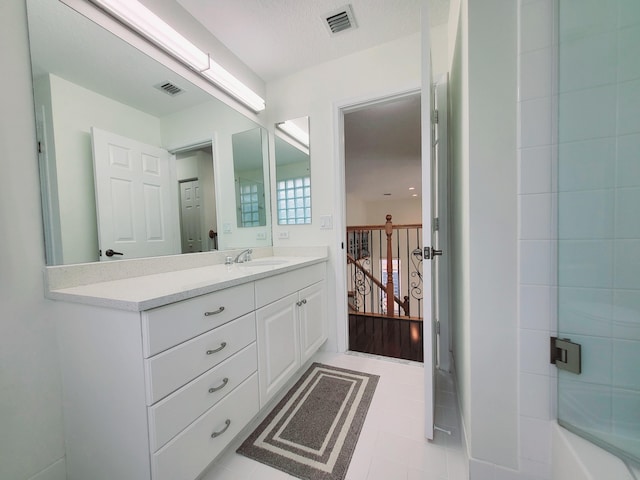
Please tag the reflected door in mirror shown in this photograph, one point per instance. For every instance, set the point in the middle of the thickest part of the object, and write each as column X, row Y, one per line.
column 136, row 201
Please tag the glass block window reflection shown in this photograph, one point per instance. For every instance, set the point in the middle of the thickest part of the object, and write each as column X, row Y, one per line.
column 294, row 200
column 249, row 213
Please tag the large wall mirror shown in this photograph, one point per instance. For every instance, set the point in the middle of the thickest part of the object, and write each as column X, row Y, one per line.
column 293, row 172
column 249, row 167
column 135, row 160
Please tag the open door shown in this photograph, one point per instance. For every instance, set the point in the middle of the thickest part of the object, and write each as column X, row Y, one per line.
column 429, row 181
column 136, row 198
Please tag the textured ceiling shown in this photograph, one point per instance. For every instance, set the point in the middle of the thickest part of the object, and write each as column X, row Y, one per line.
column 278, row 37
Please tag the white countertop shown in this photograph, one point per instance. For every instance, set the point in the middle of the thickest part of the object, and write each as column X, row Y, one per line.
column 150, row 291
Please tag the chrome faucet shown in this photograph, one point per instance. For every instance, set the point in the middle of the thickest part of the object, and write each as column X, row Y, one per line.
column 244, row 256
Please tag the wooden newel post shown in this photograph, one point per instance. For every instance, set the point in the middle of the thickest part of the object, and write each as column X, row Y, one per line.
column 388, row 229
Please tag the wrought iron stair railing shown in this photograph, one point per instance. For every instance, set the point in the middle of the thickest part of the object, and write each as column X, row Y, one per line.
column 385, row 269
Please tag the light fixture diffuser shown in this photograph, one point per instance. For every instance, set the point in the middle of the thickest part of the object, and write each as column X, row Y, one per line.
column 235, row 87
column 148, row 24
column 144, row 21
column 295, row 132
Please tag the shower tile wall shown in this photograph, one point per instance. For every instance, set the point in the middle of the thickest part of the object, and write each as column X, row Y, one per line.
column 599, row 194
column 599, row 172
column 537, row 199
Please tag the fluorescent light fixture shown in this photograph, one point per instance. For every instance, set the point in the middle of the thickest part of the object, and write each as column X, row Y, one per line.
column 148, row 24
column 144, row 21
column 235, row 87
column 295, row 132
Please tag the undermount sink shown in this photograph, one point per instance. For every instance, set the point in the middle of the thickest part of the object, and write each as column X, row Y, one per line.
column 264, row 262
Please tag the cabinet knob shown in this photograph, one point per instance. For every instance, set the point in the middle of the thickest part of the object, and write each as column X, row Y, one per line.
column 216, row 350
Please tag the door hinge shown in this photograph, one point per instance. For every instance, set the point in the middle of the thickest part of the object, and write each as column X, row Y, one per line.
column 435, row 116
column 436, row 224
column 39, row 147
column 566, row 355
column 437, row 327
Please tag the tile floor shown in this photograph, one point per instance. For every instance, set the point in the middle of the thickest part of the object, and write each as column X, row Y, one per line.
column 391, row 445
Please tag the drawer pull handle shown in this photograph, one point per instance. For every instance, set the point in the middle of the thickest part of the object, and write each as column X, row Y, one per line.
column 224, row 384
column 215, row 312
column 216, row 350
column 226, row 425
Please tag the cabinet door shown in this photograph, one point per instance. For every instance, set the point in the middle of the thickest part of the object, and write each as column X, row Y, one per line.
column 313, row 322
column 278, row 347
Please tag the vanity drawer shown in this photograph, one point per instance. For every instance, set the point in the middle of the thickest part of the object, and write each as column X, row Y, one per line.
column 171, row 415
column 188, row 454
column 273, row 288
column 164, row 327
column 170, row 370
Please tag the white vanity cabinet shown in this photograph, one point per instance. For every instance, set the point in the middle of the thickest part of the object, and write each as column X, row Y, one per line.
column 158, row 394
column 291, row 325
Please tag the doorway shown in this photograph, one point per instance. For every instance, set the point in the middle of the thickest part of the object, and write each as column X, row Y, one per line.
column 383, row 192
column 198, row 219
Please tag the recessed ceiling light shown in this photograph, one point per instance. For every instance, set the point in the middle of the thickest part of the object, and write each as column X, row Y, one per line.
column 414, row 195
column 412, row 188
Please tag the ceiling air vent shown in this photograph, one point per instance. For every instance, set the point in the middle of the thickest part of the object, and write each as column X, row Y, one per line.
column 169, row 88
column 340, row 20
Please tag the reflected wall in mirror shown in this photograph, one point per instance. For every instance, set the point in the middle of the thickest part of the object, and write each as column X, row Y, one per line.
column 293, row 172
column 248, row 167
column 87, row 79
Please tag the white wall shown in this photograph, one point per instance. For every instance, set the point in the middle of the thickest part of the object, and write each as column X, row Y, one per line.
column 440, row 49
column 383, row 70
column 407, row 211
column 459, row 209
column 31, row 436
column 484, row 231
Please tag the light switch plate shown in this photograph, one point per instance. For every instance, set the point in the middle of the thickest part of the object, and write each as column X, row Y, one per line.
column 326, row 222
column 226, row 228
column 283, row 235
column 261, row 236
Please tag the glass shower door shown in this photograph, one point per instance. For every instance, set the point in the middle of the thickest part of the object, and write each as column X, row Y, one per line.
column 599, row 219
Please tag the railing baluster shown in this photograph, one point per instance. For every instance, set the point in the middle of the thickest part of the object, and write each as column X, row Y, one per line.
column 370, row 295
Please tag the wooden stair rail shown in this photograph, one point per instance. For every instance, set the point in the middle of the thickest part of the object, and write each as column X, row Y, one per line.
column 403, row 304
column 388, row 229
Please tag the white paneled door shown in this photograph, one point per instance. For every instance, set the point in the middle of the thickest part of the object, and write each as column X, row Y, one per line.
column 136, row 198
column 429, row 191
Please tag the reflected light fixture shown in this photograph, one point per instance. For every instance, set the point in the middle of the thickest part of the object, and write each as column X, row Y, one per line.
column 148, row 24
column 294, row 132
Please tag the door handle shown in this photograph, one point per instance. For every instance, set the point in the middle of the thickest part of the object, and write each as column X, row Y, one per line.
column 111, row 253
column 430, row 253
